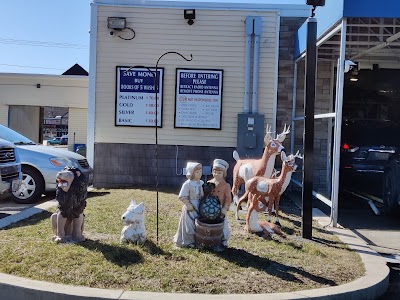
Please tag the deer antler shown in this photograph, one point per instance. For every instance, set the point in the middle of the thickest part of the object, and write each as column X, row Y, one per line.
column 298, row 155
column 281, row 137
column 268, row 129
column 268, row 135
column 283, row 156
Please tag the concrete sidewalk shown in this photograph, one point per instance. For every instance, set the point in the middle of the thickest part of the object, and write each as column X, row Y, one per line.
column 371, row 286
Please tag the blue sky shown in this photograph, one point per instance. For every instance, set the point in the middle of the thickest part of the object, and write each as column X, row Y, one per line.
column 44, row 36
column 50, row 36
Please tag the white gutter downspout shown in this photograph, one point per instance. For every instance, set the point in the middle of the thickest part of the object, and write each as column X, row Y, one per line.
column 294, row 100
column 256, row 59
column 92, row 86
column 277, row 45
column 249, row 32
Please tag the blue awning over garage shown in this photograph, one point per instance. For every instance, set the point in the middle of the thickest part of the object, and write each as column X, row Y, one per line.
column 364, row 12
column 366, row 32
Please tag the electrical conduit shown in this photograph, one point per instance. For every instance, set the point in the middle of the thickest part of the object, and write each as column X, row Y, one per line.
column 249, row 32
column 256, row 61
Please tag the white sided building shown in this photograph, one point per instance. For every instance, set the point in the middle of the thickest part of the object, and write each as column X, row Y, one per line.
column 211, row 74
column 23, row 97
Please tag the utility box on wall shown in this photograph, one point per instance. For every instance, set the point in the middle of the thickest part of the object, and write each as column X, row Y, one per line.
column 250, row 135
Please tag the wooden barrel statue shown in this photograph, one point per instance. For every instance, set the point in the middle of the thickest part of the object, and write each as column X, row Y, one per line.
column 208, row 235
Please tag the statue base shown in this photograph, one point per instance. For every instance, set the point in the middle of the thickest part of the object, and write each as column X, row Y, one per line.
column 208, row 236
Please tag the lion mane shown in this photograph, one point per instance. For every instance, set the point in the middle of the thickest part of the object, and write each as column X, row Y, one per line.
column 72, row 202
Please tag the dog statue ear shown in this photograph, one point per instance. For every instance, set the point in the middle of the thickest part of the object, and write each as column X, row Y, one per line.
column 140, row 208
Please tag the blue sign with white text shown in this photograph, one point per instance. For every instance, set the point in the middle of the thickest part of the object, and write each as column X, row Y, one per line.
column 199, row 83
column 137, row 102
column 138, row 81
column 198, row 98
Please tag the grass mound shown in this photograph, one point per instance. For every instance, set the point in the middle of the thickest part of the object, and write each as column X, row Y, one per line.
column 250, row 265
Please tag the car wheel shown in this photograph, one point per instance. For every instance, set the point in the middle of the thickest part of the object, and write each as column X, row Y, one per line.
column 390, row 193
column 31, row 188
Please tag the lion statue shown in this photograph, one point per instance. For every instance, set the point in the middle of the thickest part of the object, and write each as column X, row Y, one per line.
column 71, row 194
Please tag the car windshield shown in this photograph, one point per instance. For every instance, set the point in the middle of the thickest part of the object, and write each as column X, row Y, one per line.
column 13, row 136
column 370, row 123
column 370, row 132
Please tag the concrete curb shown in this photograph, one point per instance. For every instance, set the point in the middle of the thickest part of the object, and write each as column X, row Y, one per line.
column 29, row 212
column 371, row 286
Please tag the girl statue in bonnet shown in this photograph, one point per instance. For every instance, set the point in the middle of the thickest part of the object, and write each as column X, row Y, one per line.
column 222, row 190
column 190, row 194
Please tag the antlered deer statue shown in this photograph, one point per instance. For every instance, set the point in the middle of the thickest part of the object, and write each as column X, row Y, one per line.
column 263, row 190
column 248, row 168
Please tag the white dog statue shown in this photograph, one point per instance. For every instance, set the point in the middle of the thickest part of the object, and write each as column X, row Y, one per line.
column 134, row 230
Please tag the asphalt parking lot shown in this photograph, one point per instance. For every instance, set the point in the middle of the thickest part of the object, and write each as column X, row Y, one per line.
column 381, row 233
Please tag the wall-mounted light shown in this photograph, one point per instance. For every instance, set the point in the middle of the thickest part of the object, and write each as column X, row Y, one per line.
column 116, row 23
column 315, row 2
column 190, row 15
column 349, row 65
column 119, row 24
column 354, row 75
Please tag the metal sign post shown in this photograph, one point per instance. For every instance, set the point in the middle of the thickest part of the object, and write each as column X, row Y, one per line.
column 156, row 89
column 156, row 120
column 308, row 165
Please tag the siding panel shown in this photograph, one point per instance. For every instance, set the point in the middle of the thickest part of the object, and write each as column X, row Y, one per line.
column 4, row 114
column 55, row 90
column 216, row 40
column 77, row 127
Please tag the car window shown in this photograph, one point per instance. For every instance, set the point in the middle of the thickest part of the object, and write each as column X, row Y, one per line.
column 370, row 132
column 13, row 136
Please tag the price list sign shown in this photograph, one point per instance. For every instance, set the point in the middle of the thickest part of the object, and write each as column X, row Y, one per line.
column 198, row 101
column 135, row 103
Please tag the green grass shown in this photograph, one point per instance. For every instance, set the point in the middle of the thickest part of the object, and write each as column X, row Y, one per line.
column 251, row 264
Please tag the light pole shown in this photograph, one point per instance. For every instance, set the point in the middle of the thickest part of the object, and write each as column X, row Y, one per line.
column 308, row 136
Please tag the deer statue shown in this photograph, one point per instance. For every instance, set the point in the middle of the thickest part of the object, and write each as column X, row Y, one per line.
column 265, row 190
column 253, row 225
column 247, row 168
